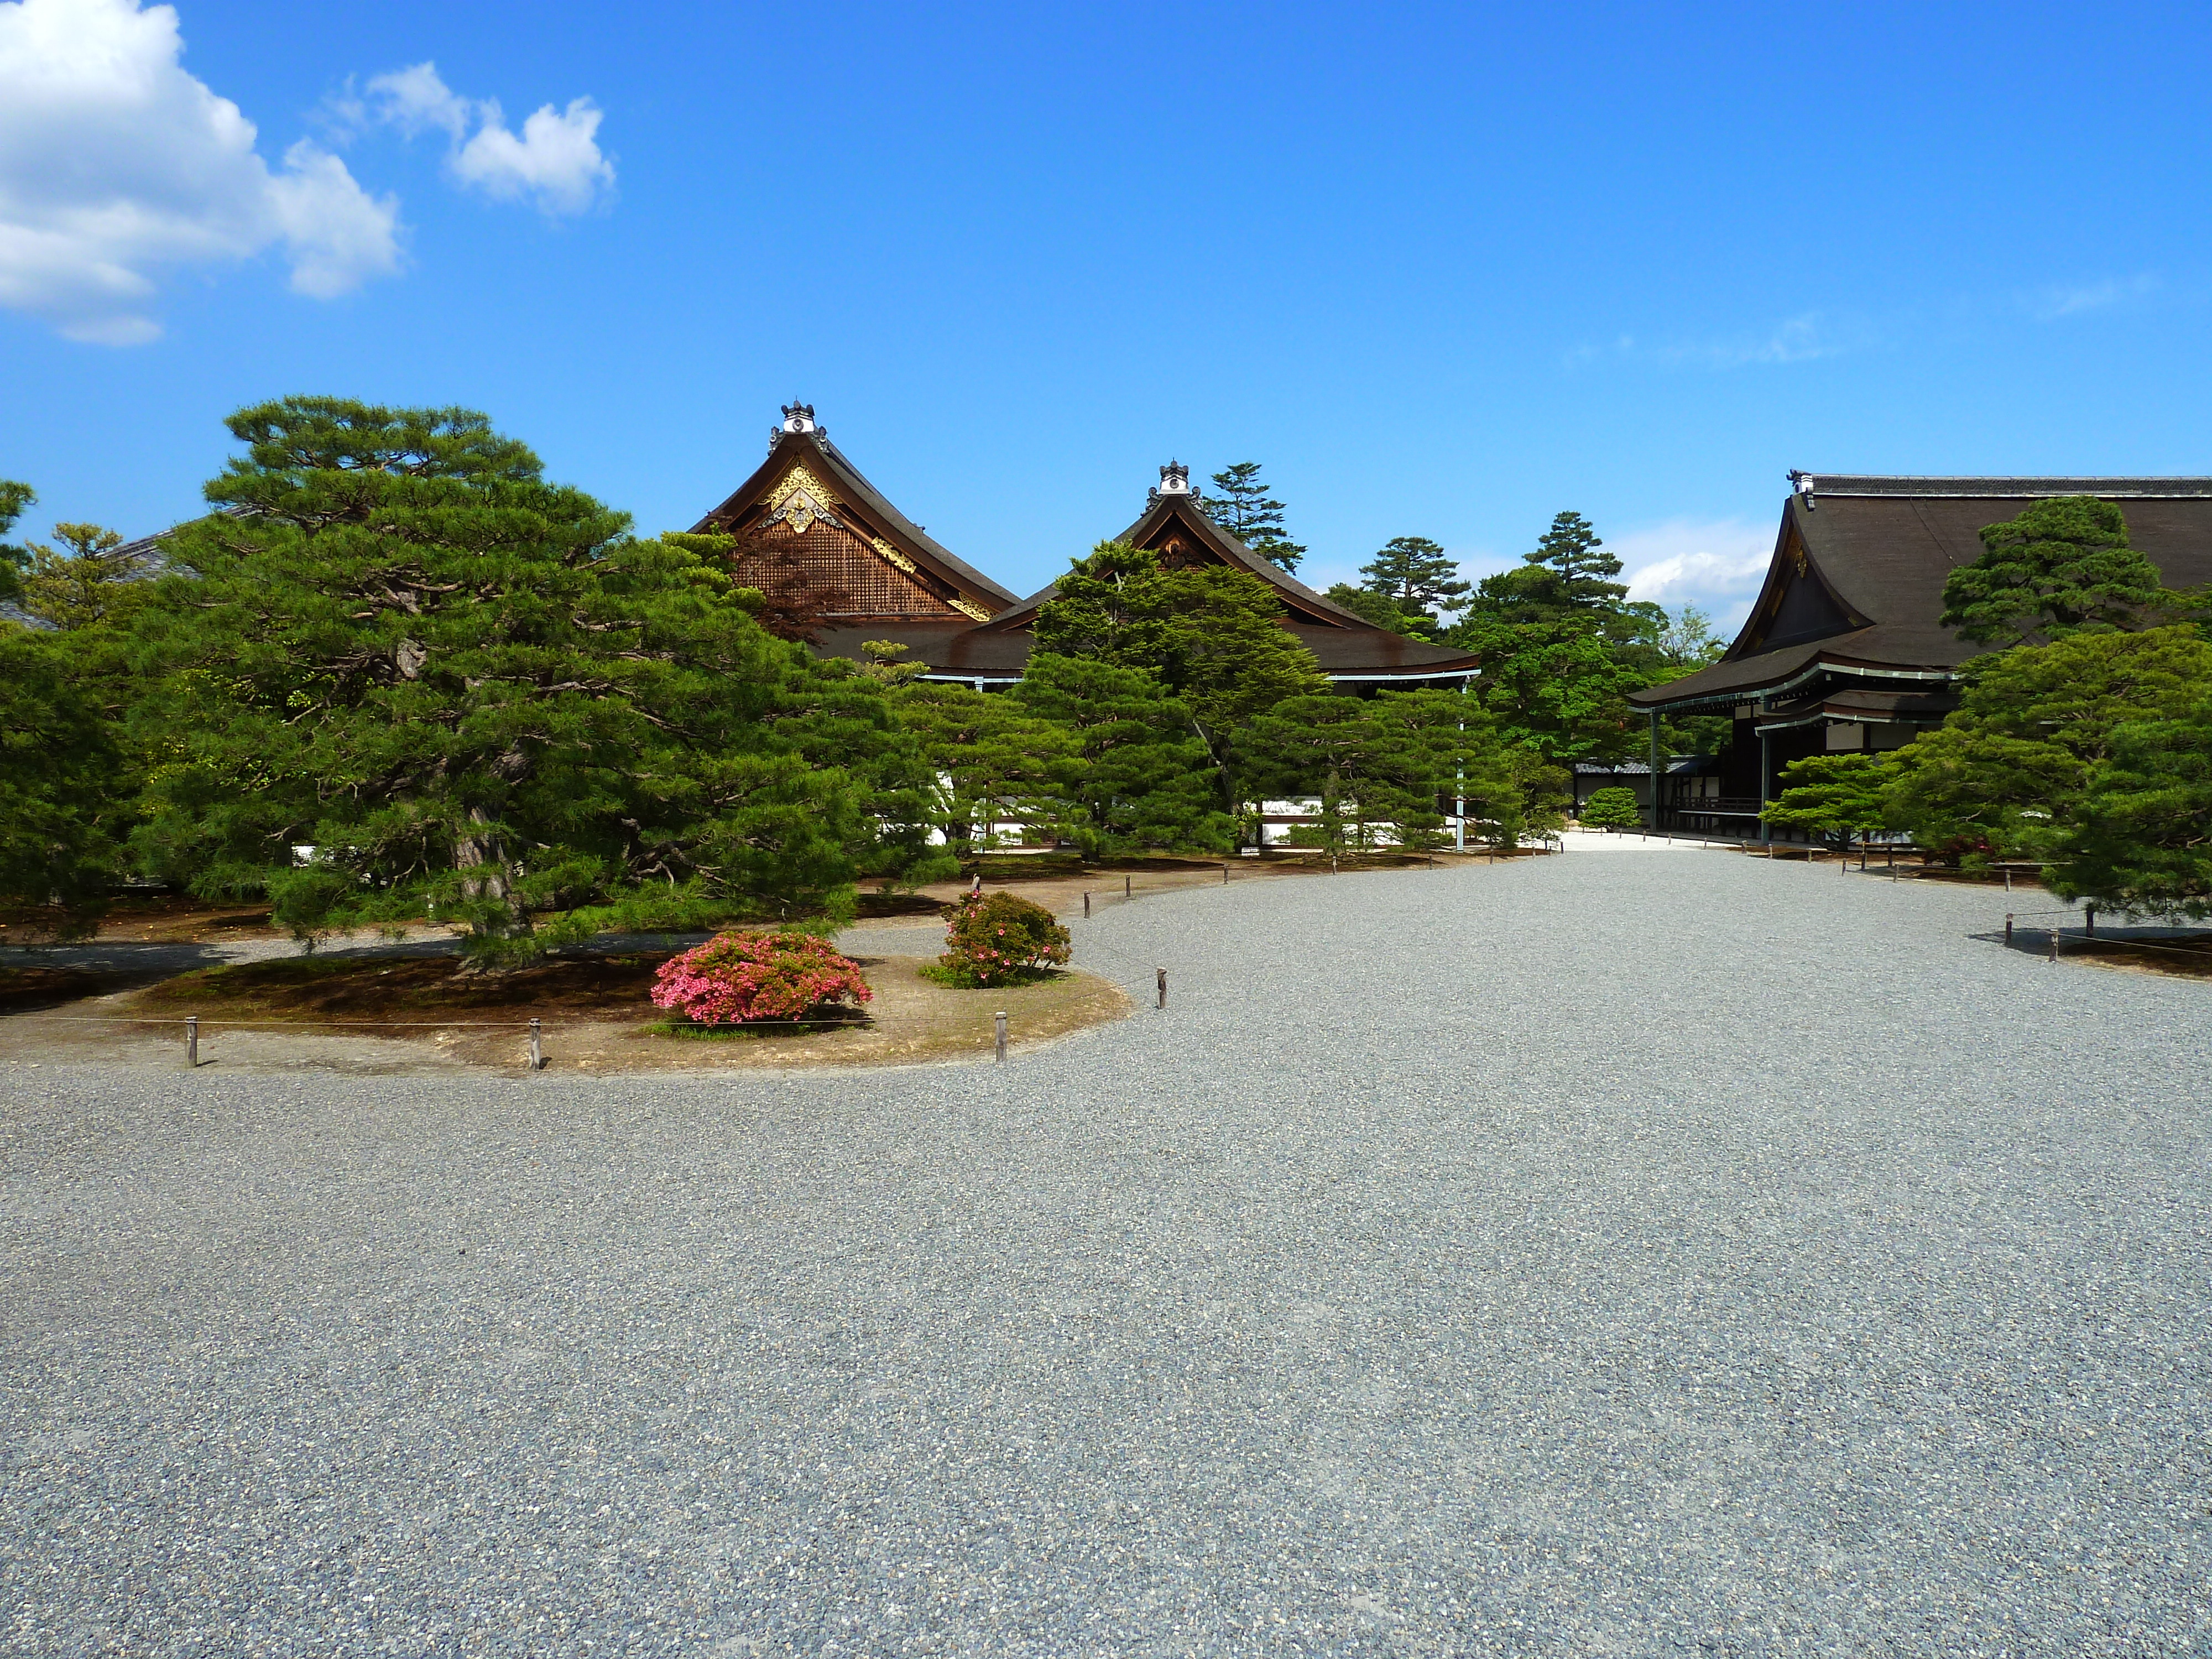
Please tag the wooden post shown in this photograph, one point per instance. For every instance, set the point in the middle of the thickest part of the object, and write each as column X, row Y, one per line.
column 998, row 1032
column 1163, row 973
column 1125, row 887
column 1086, row 906
column 192, row 1040
column 2008, row 930
column 2054, row 944
column 1225, row 875
column 1656, row 771
column 536, row 1046
column 1765, row 772
column 2091, row 930
column 2007, row 880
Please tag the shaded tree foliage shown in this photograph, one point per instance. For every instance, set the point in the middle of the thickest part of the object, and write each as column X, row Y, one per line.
column 1139, row 777
column 2008, row 770
column 2140, row 838
column 992, row 761
column 15, row 500
column 61, row 809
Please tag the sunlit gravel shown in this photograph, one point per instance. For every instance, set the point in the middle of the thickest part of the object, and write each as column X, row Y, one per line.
column 1623, row 1255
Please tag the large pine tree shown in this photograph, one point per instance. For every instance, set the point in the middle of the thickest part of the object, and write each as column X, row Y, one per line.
column 468, row 689
column 1244, row 509
column 1416, row 575
column 2062, row 566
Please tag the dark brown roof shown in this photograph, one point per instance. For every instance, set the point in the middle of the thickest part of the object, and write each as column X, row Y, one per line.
column 2000, row 489
column 814, row 450
column 1877, row 551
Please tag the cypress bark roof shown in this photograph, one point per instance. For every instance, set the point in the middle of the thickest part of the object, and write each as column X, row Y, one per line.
column 1856, row 580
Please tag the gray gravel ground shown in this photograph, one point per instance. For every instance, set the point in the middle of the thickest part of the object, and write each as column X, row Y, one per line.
column 1621, row 1253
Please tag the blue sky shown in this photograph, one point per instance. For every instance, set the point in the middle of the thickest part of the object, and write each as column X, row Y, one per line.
column 1443, row 271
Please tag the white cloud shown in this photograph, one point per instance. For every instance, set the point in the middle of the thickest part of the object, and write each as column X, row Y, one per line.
column 115, row 163
column 557, row 160
column 1718, row 566
column 414, row 100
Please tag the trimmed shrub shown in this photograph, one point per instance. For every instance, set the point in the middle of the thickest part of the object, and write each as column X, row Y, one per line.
column 1612, row 809
column 736, row 977
column 999, row 940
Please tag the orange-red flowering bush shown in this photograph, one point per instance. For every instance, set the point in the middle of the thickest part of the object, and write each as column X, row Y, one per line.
column 736, row 977
column 999, row 940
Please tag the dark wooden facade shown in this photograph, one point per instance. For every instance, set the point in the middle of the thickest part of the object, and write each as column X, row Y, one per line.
column 1844, row 652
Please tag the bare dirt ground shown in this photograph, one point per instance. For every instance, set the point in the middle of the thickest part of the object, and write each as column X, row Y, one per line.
column 366, row 1014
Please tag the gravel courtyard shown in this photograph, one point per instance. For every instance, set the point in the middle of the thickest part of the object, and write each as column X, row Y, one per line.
column 1634, row 1252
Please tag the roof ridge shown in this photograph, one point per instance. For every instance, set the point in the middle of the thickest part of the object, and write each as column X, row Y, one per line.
column 1999, row 486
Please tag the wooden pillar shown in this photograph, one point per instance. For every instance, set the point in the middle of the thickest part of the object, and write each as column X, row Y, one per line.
column 1657, row 777
column 1765, row 772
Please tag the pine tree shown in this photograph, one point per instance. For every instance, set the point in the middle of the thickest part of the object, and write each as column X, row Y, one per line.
column 1140, row 778
column 1417, row 576
column 1243, row 510
column 60, row 807
column 1212, row 636
column 994, row 761
column 98, row 580
column 1839, row 795
column 2063, row 566
column 1379, row 766
column 464, row 688
column 2006, row 771
column 14, row 500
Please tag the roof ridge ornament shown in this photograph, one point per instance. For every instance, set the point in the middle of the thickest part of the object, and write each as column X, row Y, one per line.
column 1802, row 483
column 797, row 417
column 1175, row 480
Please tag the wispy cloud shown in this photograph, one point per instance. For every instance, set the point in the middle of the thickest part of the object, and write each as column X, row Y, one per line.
column 1797, row 339
column 2049, row 305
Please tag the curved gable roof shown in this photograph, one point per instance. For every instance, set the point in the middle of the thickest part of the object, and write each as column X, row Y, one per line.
column 813, row 450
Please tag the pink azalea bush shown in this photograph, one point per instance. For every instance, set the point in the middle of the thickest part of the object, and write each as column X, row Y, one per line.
column 999, row 940
column 736, row 977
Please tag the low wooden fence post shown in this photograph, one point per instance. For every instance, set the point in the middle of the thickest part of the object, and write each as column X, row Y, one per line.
column 536, row 1046
column 1163, row 973
column 2090, row 932
column 998, row 1033
column 2054, row 944
column 2008, row 929
column 1086, row 906
column 192, row 1040
column 1125, row 887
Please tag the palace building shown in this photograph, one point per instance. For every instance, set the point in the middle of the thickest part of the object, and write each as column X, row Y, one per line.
column 811, row 529
column 1844, row 651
